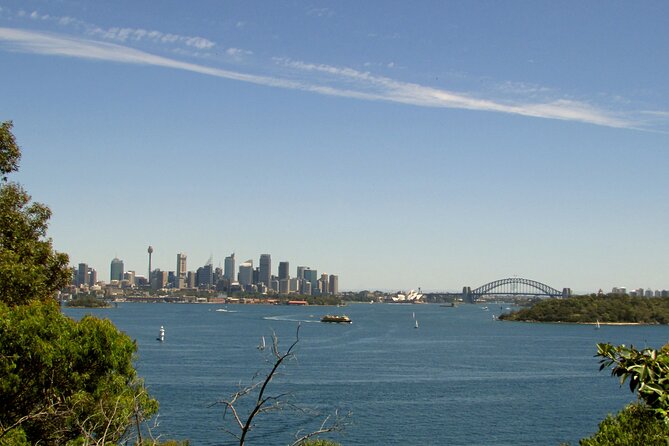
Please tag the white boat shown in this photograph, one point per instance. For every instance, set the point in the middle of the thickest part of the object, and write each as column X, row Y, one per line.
column 161, row 334
column 415, row 324
column 261, row 346
column 597, row 326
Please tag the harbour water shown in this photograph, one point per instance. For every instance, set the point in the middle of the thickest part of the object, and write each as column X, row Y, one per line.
column 462, row 378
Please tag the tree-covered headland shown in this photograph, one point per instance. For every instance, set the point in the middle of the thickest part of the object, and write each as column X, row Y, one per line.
column 592, row 308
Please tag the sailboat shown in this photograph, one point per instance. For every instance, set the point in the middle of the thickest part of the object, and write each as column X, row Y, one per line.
column 415, row 324
column 597, row 326
column 261, row 346
column 413, row 315
column 161, row 334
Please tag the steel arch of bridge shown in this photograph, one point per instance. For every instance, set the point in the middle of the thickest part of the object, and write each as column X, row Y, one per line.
column 516, row 286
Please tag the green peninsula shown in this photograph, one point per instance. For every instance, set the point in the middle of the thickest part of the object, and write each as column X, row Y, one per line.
column 605, row 309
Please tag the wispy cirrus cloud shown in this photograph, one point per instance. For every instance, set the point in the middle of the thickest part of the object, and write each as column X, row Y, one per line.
column 318, row 78
column 121, row 34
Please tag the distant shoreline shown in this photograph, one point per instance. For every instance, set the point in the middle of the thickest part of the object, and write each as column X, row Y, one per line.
column 582, row 323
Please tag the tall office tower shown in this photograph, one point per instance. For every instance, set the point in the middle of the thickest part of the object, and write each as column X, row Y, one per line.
column 334, row 284
column 323, row 283
column 92, row 276
column 150, row 251
column 158, row 279
column 311, row 276
column 191, row 278
column 300, row 271
column 246, row 273
column 82, row 274
column 265, row 270
column 205, row 276
column 306, row 288
column 180, row 279
column 229, row 271
column 116, row 269
column 284, row 271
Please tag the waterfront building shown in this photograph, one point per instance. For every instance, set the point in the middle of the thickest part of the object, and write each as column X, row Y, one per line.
column 181, row 271
column 229, row 271
column 333, row 285
column 284, row 271
column 245, row 277
column 265, row 270
column 116, row 271
column 300, row 271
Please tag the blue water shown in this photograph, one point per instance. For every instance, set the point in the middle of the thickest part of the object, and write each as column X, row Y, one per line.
column 459, row 379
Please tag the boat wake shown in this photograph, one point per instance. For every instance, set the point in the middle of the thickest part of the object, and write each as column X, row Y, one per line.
column 288, row 319
column 223, row 310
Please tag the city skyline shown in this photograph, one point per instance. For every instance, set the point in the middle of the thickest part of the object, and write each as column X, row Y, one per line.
column 435, row 144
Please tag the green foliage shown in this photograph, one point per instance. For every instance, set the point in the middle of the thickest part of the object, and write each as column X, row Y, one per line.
column 87, row 301
column 62, row 380
column 10, row 154
column 647, row 371
column 634, row 425
column 589, row 309
column 29, row 268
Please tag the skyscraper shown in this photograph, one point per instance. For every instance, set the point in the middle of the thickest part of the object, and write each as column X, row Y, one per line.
column 181, row 271
column 334, row 284
column 323, row 283
column 229, row 271
column 116, row 272
column 82, row 274
column 265, row 270
column 284, row 271
column 311, row 276
column 246, row 273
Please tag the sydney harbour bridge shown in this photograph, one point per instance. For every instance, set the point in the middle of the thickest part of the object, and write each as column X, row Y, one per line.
column 509, row 287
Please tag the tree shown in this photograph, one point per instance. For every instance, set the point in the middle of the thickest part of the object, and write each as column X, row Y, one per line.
column 647, row 371
column 10, row 154
column 61, row 381
column 634, row 425
column 266, row 402
column 29, row 267
column 645, row 422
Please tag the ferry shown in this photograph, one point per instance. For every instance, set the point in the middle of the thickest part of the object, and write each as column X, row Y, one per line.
column 340, row 319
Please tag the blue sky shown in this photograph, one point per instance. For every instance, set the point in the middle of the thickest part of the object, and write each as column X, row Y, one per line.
column 431, row 144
